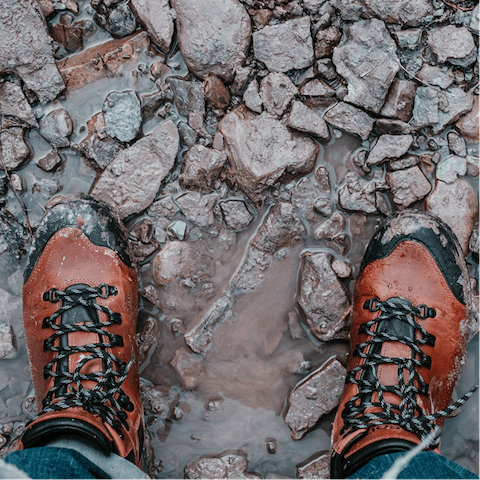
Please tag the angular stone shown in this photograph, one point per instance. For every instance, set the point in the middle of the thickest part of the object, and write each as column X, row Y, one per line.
column 157, row 400
column 252, row 98
column 455, row 203
column 457, row 144
column 147, row 340
column 408, row 186
column 201, row 167
column 198, row 208
column 303, row 197
column 389, row 146
column 14, row 150
column 189, row 366
column 163, row 207
column 304, row 119
column 317, row 466
column 472, row 165
column 236, row 215
column 474, row 240
column 215, row 91
column 331, row 227
column 118, row 20
column 26, row 49
column 174, row 260
column 157, row 16
column 14, row 103
column 214, row 36
column 132, row 179
column 409, row 38
column 404, row 12
column 468, row 125
column 69, row 36
column 261, row 149
column 399, row 101
column 403, row 162
column 10, row 309
column 316, row 395
column 285, row 46
column 317, row 88
column 188, row 96
column 425, row 110
column 50, row 161
column 56, row 127
column 322, row 297
column 441, row 77
column 323, row 206
column 326, row 69
column 122, row 114
column 350, row 119
column 390, row 126
column 325, row 41
column 366, row 58
column 452, row 44
column 359, row 195
column 276, row 92
column 342, row 269
column 8, row 342
column 449, row 168
column 453, row 103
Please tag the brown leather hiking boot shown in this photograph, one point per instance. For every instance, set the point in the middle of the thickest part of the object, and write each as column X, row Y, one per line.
column 80, row 315
column 411, row 322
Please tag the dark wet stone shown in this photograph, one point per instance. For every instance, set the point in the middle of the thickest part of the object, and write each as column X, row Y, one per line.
column 474, row 242
column 304, row 119
column 350, row 119
column 123, row 115
column 326, row 69
column 389, row 126
column 321, row 296
column 8, row 342
column 452, row 44
column 189, row 366
column 399, row 101
column 456, row 144
column 468, row 125
column 315, row 396
column 187, row 134
column 325, row 41
column 14, row 150
column 252, row 98
column 403, row 162
column 316, row 466
column 177, row 326
column 405, row 12
column 261, row 149
column 68, row 36
column 285, row 46
column 214, row 36
column 432, row 75
column 28, row 54
column 141, row 241
column 449, row 168
column 156, row 400
column 425, row 111
column 408, row 186
column 322, row 177
column 50, row 161
column 323, row 206
column 157, row 16
column 152, row 102
column 228, row 464
column 366, row 58
column 215, row 91
column 388, row 147
column 118, row 21
column 331, row 227
column 14, row 103
column 56, row 127
column 276, row 92
column 409, row 38
column 147, row 339
column 201, row 167
column 349, row 9
column 148, row 161
column 150, row 293
column 455, row 203
column 188, row 96
column 236, row 215
column 242, row 77
column 198, row 208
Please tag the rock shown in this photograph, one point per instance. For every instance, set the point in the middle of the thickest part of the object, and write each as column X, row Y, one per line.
column 395, row 127
column 236, row 215
column 159, row 69
column 350, row 119
column 276, row 92
column 450, row 167
column 304, row 196
column 403, row 162
column 323, row 206
column 325, row 68
column 29, row 54
column 176, row 259
column 118, row 21
column 97, row 146
column 441, row 77
column 14, row 103
column 56, row 127
column 215, row 91
column 317, row 88
column 342, row 269
column 163, row 207
column 141, row 240
column 188, row 96
column 228, row 464
column 132, row 179
column 252, row 98
column 452, row 44
column 399, row 101
column 214, row 36
column 69, row 36
column 110, row 59
column 468, row 125
column 157, row 16
column 147, row 340
column 322, row 297
column 455, row 203
column 8, row 342
column 389, row 146
column 189, row 366
column 150, row 293
column 10, row 309
column 472, row 165
column 198, row 208
column 261, row 149
column 261, row 17
column 50, row 161
column 409, row 38
column 316, row 395
column 123, row 115
column 187, row 134
column 325, row 41
column 312, row 6
column 201, row 167
column 285, row 46
column 452, row 105
column 457, row 144
column 331, row 227
column 474, row 242
column 404, row 12
column 359, row 195
column 157, row 400
column 14, row 150
column 242, row 77
column 366, row 58
column 408, row 185
column 349, row 9
column 317, row 466
column 425, row 110
column 304, row 119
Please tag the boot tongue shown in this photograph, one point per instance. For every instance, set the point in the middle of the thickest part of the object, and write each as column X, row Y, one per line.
column 79, row 313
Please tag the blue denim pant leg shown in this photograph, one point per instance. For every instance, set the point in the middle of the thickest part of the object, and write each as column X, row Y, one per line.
column 52, row 462
column 424, row 465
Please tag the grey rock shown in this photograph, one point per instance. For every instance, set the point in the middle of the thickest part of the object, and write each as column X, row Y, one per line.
column 118, row 21
column 156, row 400
column 285, row 46
column 198, row 208
column 399, row 101
column 474, row 240
column 472, row 165
column 317, row 394
column 409, row 38
column 359, row 195
column 132, row 179
column 442, row 77
column 201, row 167
column 406, row 161
column 10, row 308
column 389, row 146
column 391, row 126
column 404, row 12
column 188, row 96
column 187, row 134
column 317, row 88
column 14, row 150
column 366, row 57
column 425, row 110
column 261, row 149
column 228, row 464
column 455, row 203
column 304, row 119
column 8, row 342
column 157, row 16
column 323, row 206
column 325, row 41
column 28, row 54
column 214, row 36
column 243, row 75
column 14, row 103
column 163, row 207
column 189, row 366
column 331, row 227
column 350, row 10
column 252, row 97
column 452, row 105
column 178, row 229
column 350, row 119
column 236, row 215
column 408, row 186
column 449, row 168
column 303, row 197
column 313, row 6
column 276, row 92
column 326, row 69
column 468, row 125
column 56, row 127
column 452, row 44
column 123, row 115
column 176, row 259
column 317, row 466
column 50, row 161
column 456, row 144
column 322, row 297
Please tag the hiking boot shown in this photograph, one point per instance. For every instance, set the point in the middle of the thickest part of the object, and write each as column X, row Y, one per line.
column 80, row 316
column 411, row 322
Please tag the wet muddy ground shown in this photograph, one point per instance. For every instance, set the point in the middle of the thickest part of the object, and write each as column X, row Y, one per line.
column 251, row 174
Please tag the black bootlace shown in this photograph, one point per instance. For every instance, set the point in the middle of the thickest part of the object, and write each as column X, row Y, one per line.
column 408, row 414
column 106, row 399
